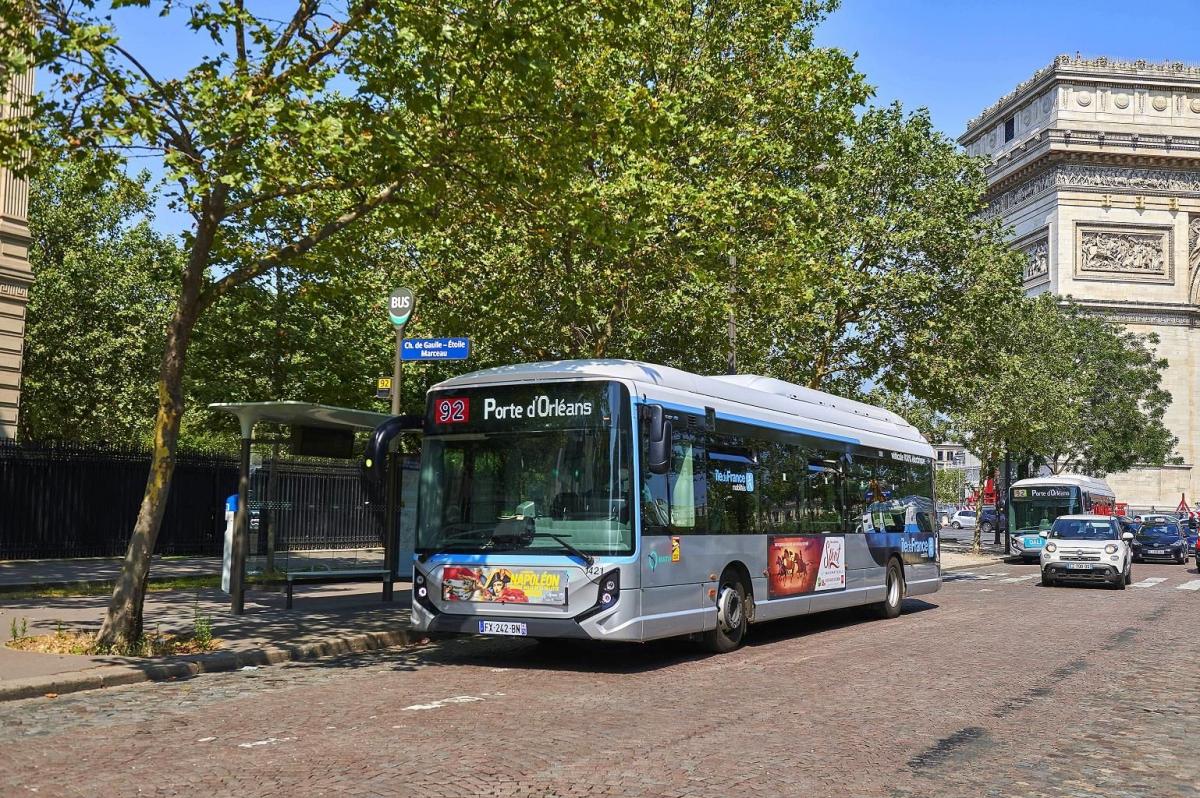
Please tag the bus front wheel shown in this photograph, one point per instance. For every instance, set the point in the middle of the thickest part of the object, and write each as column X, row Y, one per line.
column 732, row 615
column 893, row 591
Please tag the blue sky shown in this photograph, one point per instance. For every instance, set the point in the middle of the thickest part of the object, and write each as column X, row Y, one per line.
column 956, row 57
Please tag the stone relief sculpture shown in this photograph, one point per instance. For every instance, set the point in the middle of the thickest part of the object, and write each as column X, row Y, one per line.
column 1122, row 252
column 1099, row 177
column 1037, row 260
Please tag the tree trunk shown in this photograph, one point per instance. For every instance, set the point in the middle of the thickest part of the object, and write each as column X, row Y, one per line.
column 122, row 626
column 985, row 470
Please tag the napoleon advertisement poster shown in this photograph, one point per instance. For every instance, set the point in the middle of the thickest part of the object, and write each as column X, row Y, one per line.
column 802, row 564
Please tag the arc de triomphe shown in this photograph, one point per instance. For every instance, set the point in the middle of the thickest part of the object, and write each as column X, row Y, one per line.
column 1096, row 168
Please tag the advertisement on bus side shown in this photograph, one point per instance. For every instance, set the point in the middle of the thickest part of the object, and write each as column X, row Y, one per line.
column 504, row 585
column 799, row 564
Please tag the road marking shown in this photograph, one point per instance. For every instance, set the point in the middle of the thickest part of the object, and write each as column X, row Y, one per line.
column 457, row 699
column 268, row 741
column 1013, row 579
column 971, row 576
column 1152, row 581
column 1192, row 585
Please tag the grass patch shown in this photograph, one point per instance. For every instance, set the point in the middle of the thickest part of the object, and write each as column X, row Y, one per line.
column 106, row 588
column 153, row 645
column 158, row 644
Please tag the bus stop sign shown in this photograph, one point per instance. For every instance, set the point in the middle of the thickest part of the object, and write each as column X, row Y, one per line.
column 436, row 349
column 400, row 306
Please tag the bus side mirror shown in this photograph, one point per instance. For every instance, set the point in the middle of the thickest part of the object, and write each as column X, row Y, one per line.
column 658, row 452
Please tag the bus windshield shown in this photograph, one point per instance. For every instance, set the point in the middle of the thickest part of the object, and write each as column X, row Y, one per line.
column 1036, row 508
column 543, row 468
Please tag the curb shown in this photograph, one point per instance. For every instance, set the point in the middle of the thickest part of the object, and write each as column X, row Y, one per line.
column 113, row 675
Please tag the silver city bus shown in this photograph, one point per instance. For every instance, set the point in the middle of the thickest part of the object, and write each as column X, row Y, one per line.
column 617, row 500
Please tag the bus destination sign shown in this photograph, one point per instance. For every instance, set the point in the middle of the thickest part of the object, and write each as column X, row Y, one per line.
column 1045, row 492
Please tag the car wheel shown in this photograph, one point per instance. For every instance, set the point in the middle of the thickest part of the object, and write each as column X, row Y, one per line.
column 1048, row 580
column 955, row 525
column 731, row 616
column 986, row 527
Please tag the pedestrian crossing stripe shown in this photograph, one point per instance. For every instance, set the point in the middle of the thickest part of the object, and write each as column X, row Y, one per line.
column 1002, row 577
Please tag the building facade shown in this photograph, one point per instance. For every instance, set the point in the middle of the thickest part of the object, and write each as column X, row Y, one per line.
column 1095, row 166
column 15, row 279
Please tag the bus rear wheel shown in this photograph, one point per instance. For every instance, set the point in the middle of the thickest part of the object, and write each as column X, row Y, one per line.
column 893, row 596
column 732, row 617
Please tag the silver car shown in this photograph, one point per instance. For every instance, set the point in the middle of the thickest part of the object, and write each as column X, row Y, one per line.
column 963, row 519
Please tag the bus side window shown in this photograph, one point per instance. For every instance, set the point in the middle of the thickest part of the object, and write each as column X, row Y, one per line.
column 676, row 502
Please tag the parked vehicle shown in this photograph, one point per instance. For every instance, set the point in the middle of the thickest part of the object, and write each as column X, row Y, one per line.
column 963, row 519
column 1089, row 548
column 1160, row 542
column 988, row 521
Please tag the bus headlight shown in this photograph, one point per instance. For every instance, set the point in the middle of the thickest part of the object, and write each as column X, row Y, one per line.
column 609, row 594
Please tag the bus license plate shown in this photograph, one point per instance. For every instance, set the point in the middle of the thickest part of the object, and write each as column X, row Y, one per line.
column 1079, row 566
column 502, row 628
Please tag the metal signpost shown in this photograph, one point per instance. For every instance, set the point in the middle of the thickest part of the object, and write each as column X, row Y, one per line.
column 401, row 305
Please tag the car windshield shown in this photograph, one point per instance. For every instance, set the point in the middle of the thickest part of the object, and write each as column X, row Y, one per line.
column 1159, row 530
column 1080, row 529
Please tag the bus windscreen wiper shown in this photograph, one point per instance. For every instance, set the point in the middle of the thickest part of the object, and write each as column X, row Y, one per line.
column 451, row 543
column 566, row 544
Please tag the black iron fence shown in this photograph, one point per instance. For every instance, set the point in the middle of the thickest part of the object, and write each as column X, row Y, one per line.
column 62, row 499
column 80, row 500
column 311, row 505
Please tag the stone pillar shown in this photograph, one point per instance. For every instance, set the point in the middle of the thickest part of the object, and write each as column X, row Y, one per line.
column 15, row 279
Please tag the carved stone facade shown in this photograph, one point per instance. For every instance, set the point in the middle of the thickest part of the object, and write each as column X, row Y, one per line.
column 1123, row 254
column 15, row 278
column 1037, row 258
column 1095, row 167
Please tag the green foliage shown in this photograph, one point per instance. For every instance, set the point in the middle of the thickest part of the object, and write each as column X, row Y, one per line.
column 711, row 123
column 882, row 282
column 202, row 628
column 103, row 281
column 949, row 484
column 1074, row 389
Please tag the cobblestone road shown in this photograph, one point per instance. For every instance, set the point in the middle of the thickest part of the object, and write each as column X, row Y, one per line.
column 995, row 686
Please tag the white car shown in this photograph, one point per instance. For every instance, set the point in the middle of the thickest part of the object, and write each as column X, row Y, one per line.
column 1087, row 548
column 963, row 519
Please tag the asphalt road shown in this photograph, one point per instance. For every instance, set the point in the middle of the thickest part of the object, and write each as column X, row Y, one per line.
column 995, row 686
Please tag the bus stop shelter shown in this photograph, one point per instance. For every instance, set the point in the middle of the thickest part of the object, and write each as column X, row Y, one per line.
column 322, row 430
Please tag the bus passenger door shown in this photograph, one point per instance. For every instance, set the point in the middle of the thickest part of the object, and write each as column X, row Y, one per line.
column 673, row 511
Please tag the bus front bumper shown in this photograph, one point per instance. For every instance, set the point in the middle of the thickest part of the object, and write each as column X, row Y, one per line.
column 621, row 622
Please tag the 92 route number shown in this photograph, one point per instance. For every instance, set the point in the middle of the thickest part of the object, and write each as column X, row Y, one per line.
column 452, row 410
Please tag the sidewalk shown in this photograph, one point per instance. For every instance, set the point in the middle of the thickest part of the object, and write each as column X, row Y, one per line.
column 326, row 620
column 957, row 553
column 53, row 573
